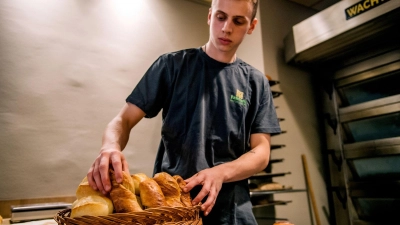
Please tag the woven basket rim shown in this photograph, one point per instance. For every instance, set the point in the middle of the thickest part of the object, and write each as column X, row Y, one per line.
column 157, row 215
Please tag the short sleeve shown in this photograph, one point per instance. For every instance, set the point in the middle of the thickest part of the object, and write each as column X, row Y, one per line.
column 266, row 120
column 151, row 92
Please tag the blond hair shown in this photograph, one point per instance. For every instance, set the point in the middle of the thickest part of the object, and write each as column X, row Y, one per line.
column 255, row 6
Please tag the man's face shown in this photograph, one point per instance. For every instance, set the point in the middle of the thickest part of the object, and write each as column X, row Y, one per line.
column 230, row 21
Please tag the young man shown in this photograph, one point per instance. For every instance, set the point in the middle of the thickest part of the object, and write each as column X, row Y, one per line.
column 217, row 115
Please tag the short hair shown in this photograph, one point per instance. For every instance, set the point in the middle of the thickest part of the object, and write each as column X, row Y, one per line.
column 255, row 7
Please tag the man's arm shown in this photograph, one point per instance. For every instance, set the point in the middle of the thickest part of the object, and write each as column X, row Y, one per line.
column 245, row 166
column 115, row 138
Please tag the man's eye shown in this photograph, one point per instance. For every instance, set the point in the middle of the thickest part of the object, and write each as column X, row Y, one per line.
column 221, row 17
column 238, row 22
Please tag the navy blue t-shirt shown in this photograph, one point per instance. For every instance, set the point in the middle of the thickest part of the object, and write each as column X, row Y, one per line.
column 209, row 111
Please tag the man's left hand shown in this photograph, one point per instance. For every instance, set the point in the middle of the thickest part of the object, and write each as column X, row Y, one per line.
column 211, row 179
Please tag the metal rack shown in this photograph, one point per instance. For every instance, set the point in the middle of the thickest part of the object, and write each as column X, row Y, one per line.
column 264, row 201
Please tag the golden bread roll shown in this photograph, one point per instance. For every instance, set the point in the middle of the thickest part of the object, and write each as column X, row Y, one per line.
column 85, row 190
column 185, row 196
column 271, row 186
column 1, row 220
column 137, row 178
column 90, row 202
column 123, row 195
column 170, row 189
column 124, row 200
column 127, row 181
column 168, row 184
column 151, row 194
column 94, row 205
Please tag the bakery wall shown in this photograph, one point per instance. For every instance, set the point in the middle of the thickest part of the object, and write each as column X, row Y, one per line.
column 66, row 69
column 297, row 106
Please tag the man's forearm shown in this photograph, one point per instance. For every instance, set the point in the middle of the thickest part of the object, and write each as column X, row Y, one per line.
column 116, row 135
column 250, row 163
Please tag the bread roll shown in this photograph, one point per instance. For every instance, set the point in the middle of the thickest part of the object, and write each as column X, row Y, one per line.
column 127, row 181
column 185, row 196
column 170, row 189
column 137, row 178
column 93, row 205
column 124, row 200
column 271, row 186
column 85, row 190
column 90, row 202
column 123, row 195
column 151, row 194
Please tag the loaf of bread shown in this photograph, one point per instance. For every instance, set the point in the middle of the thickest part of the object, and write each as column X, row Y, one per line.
column 169, row 188
column 151, row 194
column 90, row 202
column 271, row 186
column 137, row 178
column 123, row 194
column 185, row 196
column 124, row 200
column 127, row 181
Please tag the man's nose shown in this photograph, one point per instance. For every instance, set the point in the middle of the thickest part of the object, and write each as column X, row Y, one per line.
column 227, row 28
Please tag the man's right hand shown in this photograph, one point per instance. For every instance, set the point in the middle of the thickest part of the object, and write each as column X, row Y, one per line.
column 98, row 174
column 115, row 139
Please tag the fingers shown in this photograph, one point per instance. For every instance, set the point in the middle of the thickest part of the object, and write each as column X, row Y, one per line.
column 125, row 166
column 98, row 174
column 90, row 178
column 104, row 178
column 116, row 162
column 209, row 204
column 211, row 187
column 191, row 183
column 201, row 195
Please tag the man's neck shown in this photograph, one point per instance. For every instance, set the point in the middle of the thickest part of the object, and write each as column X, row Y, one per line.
column 225, row 57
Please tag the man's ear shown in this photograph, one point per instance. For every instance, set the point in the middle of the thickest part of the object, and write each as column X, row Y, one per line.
column 209, row 16
column 252, row 26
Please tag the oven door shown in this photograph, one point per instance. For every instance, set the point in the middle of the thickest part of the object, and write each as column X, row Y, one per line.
column 369, row 118
column 375, row 179
column 377, row 119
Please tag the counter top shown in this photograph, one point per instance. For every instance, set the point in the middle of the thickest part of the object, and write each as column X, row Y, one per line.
column 38, row 222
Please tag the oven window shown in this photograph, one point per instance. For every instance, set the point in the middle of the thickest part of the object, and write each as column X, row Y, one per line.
column 377, row 208
column 386, row 167
column 371, row 89
column 378, row 127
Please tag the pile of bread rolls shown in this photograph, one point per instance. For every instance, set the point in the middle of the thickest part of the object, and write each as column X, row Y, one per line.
column 134, row 194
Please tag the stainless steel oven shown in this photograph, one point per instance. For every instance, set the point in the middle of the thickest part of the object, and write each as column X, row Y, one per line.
column 368, row 110
column 355, row 63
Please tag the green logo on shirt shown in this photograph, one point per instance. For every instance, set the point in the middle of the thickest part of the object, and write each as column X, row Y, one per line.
column 238, row 98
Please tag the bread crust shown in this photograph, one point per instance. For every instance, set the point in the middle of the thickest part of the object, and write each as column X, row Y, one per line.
column 151, row 194
column 186, row 199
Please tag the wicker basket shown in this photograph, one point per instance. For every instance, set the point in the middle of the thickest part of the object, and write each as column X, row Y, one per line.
column 161, row 215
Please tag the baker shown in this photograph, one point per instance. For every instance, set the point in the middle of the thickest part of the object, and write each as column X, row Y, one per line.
column 217, row 113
